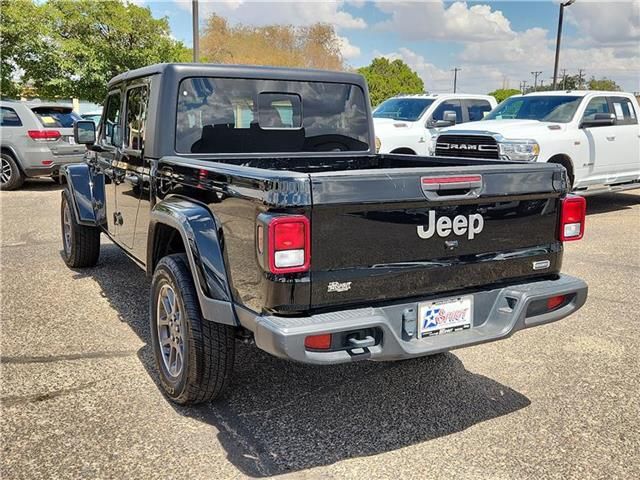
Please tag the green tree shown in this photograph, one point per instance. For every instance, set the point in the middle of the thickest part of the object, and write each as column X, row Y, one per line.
column 22, row 34
column 79, row 45
column 388, row 78
column 603, row 84
column 503, row 93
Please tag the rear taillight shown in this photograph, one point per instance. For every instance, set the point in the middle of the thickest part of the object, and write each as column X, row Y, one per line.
column 573, row 211
column 44, row 135
column 288, row 246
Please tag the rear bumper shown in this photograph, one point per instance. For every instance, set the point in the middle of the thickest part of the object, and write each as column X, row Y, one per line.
column 31, row 161
column 54, row 168
column 498, row 314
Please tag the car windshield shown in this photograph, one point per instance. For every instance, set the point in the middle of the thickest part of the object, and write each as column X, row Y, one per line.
column 545, row 108
column 56, row 117
column 227, row 115
column 409, row 109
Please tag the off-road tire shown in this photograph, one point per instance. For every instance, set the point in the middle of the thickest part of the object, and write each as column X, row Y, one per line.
column 16, row 177
column 209, row 347
column 83, row 248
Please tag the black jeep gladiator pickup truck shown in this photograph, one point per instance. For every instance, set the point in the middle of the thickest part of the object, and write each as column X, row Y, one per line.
column 254, row 198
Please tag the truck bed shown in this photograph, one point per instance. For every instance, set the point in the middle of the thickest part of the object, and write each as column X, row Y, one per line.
column 365, row 212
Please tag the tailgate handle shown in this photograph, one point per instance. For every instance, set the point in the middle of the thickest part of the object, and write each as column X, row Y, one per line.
column 451, row 187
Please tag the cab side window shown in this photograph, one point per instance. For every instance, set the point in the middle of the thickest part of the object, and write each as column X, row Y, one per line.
column 110, row 130
column 623, row 110
column 477, row 109
column 596, row 105
column 137, row 101
column 448, row 105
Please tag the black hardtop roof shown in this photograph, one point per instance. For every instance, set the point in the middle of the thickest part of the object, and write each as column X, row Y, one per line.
column 184, row 70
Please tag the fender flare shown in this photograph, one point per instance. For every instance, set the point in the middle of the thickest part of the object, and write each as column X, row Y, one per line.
column 201, row 237
column 87, row 191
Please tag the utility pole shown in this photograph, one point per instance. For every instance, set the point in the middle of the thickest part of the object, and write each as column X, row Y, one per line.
column 580, row 75
column 542, row 83
column 564, row 78
column 535, row 80
column 524, row 87
column 558, row 38
column 455, row 78
column 196, row 31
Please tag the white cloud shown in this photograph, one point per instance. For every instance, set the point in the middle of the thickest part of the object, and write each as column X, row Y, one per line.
column 297, row 13
column 433, row 20
column 617, row 23
column 348, row 50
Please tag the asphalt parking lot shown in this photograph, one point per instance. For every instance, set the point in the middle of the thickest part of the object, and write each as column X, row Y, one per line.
column 80, row 399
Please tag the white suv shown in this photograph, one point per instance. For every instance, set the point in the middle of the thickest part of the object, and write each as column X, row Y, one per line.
column 594, row 135
column 36, row 140
column 407, row 123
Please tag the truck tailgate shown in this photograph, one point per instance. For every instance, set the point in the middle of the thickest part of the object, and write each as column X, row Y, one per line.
column 380, row 235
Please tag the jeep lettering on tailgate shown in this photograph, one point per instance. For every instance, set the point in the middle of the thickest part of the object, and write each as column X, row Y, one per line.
column 445, row 226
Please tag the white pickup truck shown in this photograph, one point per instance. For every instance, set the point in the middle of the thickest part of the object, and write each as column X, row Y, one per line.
column 408, row 123
column 594, row 135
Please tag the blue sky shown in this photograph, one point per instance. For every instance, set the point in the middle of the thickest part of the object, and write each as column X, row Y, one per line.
column 495, row 43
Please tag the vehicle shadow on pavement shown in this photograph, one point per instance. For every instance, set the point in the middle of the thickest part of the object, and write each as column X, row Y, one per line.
column 281, row 417
column 611, row 202
column 40, row 185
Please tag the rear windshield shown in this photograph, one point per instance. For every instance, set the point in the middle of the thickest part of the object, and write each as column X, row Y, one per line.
column 409, row 109
column 551, row 108
column 225, row 115
column 58, row 117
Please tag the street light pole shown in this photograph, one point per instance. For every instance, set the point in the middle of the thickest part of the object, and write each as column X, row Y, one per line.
column 559, row 37
column 196, row 31
column 455, row 78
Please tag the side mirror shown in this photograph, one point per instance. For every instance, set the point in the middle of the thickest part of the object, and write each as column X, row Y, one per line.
column 599, row 120
column 84, row 132
column 449, row 119
column 450, row 116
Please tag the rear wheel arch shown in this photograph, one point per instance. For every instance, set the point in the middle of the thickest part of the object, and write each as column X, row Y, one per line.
column 182, row 225
column 165, row 240
column 567, row 163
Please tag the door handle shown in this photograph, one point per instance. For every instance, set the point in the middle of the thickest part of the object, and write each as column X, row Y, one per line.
column 611, row 138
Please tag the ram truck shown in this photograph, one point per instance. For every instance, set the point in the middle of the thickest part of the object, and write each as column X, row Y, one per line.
column 408, row 124
column 255, row 201
column 594, row 135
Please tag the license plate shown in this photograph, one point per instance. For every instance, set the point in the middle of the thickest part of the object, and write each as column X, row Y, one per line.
column 71, row 140
column 438, row 317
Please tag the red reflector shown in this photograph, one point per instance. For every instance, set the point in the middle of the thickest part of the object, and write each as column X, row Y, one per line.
column 318, row 342
column 572, row 218
column 461, row 179
column 44, row 134
column 289, row 235
column 46, row 163
column 555, row 302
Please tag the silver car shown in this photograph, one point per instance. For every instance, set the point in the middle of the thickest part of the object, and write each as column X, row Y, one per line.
column 36, row 140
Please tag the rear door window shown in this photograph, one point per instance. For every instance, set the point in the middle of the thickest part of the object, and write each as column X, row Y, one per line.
column 477, row 109
column 56, row 117
column 137, row 100
column 623, row 110
column 9, row 118
column 448, row 106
